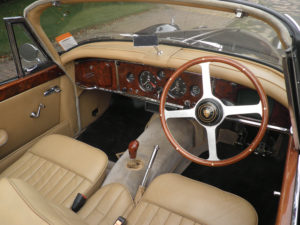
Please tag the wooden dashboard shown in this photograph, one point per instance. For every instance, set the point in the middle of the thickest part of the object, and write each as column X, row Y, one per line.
column 146, row 82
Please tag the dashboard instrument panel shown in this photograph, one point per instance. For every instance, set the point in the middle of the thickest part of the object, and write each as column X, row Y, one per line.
column 146, row 83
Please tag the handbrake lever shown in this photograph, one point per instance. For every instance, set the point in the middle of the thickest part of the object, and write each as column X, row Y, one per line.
column 142, row 187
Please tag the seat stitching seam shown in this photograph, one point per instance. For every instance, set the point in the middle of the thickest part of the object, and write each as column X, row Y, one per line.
column 63, row 201
column 126, row 190
column 169, row 214
column 20, row 194
column 44, row 174
column 13, row 171
column 182, row 220
column 154, row 215
column 185, row 216
column 28, row 168
column 63, row 167
column 96, row 205
column 35, row 171
column 147, row 204
column 49, row 178
column 112, row 205
column 61, row 188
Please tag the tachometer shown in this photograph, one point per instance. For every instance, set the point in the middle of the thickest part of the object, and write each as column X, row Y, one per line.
column 178, row 88
column 147, row 81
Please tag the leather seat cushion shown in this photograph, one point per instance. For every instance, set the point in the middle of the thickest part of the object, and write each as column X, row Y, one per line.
column 59, row 167
column 177, row 200
column 21, row 204
column 106, row 205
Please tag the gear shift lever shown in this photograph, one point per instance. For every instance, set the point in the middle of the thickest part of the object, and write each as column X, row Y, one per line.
column 133, row 147
column 133, row 163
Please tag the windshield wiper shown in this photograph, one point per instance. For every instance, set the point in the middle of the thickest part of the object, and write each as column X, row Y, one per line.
column 184, row 42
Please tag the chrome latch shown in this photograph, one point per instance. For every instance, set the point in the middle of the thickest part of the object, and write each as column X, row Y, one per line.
column 239, row 13
column 37, row 114
column 55, row 89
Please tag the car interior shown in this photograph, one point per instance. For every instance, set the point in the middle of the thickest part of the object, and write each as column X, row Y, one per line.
column 121, row 132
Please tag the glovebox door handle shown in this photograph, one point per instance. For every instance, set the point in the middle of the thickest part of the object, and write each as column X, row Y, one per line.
column 3, row 137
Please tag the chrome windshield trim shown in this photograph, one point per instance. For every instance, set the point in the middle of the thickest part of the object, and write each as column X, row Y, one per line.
column 293, row 21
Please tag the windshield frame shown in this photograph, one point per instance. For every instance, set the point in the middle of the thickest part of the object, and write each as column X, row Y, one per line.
column 33, row 12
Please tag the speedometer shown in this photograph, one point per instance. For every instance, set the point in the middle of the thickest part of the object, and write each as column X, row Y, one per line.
column 178, row 88
column 147, row 81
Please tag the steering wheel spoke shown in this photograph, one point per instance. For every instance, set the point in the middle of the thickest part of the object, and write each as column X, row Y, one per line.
column 212, row 143
column 183, row 113
column 206, row 83
column 243, row 109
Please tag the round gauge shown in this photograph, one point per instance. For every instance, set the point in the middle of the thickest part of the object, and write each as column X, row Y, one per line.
column 147, row 81
column 178, row 89
column 195, row 90
column 161, row 75
column 130, row 77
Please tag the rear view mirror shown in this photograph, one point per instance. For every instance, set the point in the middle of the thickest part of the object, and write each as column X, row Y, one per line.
column 29, row 52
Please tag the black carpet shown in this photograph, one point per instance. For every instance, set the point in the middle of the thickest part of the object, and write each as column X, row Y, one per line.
column 254, row 178
column 123, row 122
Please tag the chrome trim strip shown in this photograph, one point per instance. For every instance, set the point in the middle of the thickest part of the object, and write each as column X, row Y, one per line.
column 128, row 95
column 295, row 209
column 293, row 21
column 257, row 124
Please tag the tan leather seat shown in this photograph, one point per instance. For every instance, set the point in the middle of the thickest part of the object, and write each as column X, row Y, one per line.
column 59, row 167
column 21, row 204
column 106, row 205
column 172, row 199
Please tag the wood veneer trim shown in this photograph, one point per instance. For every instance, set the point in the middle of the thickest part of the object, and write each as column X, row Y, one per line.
column 284, row 213
column 23, row 84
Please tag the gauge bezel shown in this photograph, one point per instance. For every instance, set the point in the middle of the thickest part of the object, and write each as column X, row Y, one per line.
column 153, row 81
column 191, row 90
column 130, row 80
column 179, row 79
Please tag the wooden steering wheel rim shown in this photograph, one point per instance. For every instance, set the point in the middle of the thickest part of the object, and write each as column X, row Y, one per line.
column 259, row 89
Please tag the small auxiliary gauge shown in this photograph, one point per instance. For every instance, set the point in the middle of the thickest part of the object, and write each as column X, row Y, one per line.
column 195, row 90
column 130, row 77
column 161, row 75
column 178, row 89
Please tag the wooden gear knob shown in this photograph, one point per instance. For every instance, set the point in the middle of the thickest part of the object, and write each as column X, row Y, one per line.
column 133, row 147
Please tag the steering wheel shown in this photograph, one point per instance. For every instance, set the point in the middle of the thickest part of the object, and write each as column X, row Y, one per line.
column 210, row 111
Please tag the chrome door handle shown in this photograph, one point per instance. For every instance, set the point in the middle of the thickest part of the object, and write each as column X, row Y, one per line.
column 37, row 114
column 55, row 89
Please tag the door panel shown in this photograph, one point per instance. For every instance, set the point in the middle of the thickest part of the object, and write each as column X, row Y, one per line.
column 15, row 115
column 21, row 96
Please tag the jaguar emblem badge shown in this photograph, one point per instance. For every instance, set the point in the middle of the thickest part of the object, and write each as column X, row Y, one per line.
column 209, row 112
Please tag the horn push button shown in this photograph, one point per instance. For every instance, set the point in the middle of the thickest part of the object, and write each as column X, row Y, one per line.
column 209, row 112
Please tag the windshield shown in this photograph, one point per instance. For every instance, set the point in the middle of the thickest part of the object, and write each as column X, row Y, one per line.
column 182, row 26
column 290, row 7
